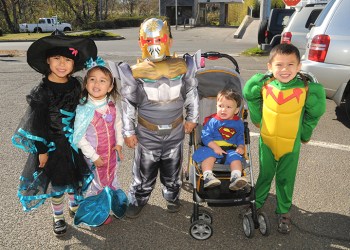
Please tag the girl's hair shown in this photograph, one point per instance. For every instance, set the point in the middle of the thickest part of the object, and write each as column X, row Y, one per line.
column 62, row 51
column 284, row 49
column 230, row 94
column 113, row 94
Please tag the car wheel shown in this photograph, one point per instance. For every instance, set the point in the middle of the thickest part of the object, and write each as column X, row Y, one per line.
column 66, row 29
column 261, row 31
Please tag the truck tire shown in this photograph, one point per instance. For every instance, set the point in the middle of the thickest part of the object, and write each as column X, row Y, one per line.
column 67, row 29
column 37, row 30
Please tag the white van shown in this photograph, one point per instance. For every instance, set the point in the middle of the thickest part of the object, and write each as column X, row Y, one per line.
column 298, row 25
column 327, row 53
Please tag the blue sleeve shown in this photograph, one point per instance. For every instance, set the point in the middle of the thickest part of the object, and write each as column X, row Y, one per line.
column 208, row 132
column 240, row 133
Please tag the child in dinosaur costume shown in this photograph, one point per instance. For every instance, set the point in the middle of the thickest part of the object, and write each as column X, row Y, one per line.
column 154, row 93
column 286, row 108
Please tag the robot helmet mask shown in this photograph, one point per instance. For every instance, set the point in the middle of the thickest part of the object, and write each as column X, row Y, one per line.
column 155, row 39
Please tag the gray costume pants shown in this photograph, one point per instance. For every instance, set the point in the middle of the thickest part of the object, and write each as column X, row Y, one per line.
column 157, row 153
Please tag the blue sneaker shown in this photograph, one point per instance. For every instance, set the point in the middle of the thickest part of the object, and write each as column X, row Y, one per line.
column 211, row 181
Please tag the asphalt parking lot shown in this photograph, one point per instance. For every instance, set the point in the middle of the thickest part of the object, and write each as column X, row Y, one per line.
column 321, row 206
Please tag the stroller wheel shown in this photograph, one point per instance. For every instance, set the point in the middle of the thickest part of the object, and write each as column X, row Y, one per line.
column 203, row 215
column 248, row 225
column 201, row 230
column 264, row 224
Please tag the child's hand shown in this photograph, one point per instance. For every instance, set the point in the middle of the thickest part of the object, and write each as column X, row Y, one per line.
column 189, row 126
column 98, row 162
column 131, row 141
column 219, row 151
column 216, row 148
column 240, row 149
column 43, row 159
column 118, row 148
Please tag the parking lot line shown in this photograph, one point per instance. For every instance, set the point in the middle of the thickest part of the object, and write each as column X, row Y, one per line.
column 320, row 144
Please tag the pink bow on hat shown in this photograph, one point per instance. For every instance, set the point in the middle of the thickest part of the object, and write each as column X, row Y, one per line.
column 74, row 51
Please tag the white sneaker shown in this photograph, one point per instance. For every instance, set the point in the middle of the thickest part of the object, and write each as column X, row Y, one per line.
column 211, row 181
column 238, row 183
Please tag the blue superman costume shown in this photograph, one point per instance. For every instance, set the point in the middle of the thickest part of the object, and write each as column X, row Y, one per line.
column 226, row 133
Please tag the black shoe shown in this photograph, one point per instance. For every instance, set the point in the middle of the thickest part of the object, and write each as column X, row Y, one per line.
column 173, row 206
column 59, row 227
column 284, row 223
column 133, row 211
column 71, row 213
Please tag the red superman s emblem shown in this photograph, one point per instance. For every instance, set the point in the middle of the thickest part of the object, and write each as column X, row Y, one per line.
column 227, row 133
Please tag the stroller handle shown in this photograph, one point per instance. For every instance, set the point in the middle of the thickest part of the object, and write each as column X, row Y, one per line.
column 212, row 55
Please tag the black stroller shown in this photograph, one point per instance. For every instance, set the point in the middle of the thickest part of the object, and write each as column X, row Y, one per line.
column 210, row 81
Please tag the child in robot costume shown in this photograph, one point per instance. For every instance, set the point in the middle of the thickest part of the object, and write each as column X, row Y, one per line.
column 154, row 93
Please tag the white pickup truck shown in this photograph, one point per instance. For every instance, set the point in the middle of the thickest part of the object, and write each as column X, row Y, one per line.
column 45, row 24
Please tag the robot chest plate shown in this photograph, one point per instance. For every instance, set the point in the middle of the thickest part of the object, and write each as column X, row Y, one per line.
column 163, row 90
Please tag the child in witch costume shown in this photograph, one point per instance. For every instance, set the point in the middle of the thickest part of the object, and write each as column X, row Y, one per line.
column 287, row 109
column 54, row 166
column 154, row 93
column 98, row 134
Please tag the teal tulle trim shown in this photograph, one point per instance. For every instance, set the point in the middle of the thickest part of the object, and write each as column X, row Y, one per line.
column 26, row 141
column 28, row 191
column 68, row 129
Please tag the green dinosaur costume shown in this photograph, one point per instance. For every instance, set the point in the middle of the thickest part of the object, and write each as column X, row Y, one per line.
column 287, row 114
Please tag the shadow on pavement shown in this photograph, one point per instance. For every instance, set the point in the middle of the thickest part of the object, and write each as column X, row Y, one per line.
column 156, row 228
column 341, row 116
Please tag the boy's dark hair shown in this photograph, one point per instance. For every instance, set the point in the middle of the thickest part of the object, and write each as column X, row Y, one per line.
column 284, row 49
column 113, row 93
column 230, row 94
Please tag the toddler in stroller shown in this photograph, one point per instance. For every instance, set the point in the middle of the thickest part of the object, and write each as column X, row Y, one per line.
column 231, row 185
column 223, row 142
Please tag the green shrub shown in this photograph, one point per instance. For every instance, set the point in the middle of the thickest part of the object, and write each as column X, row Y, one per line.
column 96, row 33
column 116, row 23
column 254, row 52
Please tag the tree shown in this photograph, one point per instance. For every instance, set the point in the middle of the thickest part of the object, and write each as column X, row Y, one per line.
column 9, row 10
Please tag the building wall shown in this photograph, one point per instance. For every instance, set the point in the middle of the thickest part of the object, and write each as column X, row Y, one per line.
column 186, row 9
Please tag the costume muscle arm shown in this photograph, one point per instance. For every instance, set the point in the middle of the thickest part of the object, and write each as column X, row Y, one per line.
column 315, row 107
column 252, row 94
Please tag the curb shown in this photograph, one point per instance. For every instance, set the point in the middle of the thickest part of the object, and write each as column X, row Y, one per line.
column 93, row 38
